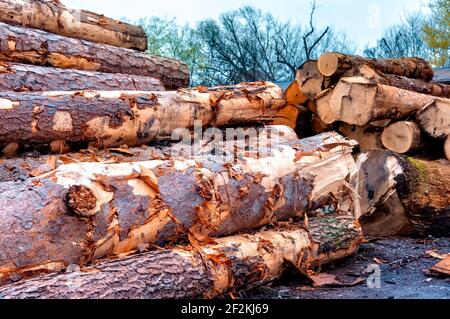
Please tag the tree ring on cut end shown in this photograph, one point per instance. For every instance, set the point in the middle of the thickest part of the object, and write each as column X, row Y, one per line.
column 81, row 200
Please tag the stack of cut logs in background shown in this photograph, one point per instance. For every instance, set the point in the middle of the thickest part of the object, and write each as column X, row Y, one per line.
column 90, row 209
column 383, row 104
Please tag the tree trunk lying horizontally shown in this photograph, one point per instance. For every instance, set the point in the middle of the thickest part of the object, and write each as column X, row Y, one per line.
column 34, row 165
column 54, row 17
column 24, row 78
column 86, row 211
column 336, row 65
column 109, row 119
column 206, row 271
column 358, row 101
column 38, row 47
column 415, row 85
column 402, row 196
column 402, row 137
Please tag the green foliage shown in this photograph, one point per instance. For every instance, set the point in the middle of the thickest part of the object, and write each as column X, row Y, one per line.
column 243, row 45
column 437, row 30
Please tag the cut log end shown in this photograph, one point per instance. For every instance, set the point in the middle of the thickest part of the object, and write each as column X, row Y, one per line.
column 402, row 137
column 328, row 64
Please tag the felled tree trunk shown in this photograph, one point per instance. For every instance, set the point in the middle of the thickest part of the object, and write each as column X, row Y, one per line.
column 109, row 119
column 358, row 101
column 24, row 78
column 38, row 47
column 336, row 65
column 34, row 165
column 207, row 271
column 311, row 82
column 287, row 116
column 415, row 190
column 54, row 17
column 415, row 85
column 86, row 211
column 434, row 118
column 402, row 137
column 368, row 137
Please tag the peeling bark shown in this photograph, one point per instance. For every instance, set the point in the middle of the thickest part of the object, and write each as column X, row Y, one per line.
column 416, row 190
column 30, row 78
column 54, row 17
column 110, row 119
column 229, row 264
column 35, row 164
column 157, row 202
column 38, row 47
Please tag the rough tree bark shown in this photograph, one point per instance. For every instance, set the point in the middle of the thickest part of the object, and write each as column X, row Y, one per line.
column 358, row 101
column 38, row 47
column 86, row 211
column 54, row 17
column 402, row 137
column 206, row 271
column 109, row 119
column 24, row 78
column 416, row 192
column 336, row 65
column 34, row 165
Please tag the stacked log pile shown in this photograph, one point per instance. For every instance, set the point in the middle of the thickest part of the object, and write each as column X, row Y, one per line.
column 84, row 196
column 113, row 187
column 384, row 103
column 392, row 108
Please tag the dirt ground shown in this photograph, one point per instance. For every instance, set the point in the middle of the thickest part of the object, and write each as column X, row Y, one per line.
column 401, row 260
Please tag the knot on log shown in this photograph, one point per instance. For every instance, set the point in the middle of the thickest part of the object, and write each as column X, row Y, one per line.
column 81, row 200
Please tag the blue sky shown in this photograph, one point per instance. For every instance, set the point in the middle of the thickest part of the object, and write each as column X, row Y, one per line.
column 362, row 20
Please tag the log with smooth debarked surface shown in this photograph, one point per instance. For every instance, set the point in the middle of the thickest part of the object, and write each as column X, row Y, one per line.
column 54, row 17
column 206, row 271
column 31, row 78
column 38, row 47
column 109, row 119
column 336, row 65
column 358, row 101
column 83, row 212
column 402, row 195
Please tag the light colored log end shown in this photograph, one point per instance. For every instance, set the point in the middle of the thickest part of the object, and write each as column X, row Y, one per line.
column 328, row 64
column 402, row 137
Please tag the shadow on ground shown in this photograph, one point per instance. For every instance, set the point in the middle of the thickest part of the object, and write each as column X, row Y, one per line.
column 401, row 260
